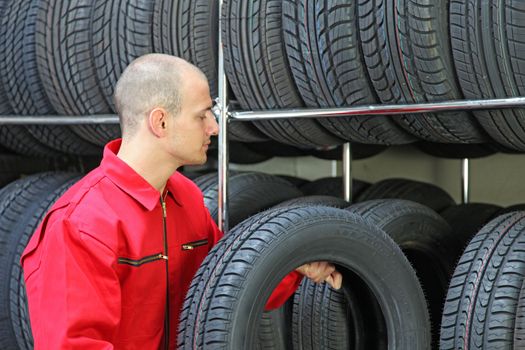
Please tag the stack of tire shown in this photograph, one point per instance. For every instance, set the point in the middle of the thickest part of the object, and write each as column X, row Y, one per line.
column 287, row 54
column 64, row 57
column 23, row 204
column 397, row 257
column 320, row 317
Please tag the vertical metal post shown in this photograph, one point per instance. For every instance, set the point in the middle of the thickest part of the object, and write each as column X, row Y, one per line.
column 465, row 180
column 347, row 172
column 333, row 168
column 223, row 134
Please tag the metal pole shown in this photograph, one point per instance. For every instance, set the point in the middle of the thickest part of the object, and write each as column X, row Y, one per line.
column 465, row 180
column 223, row 135
column 58, row 119
column 380, row 109
column 333, row 168
column 278, row 114
column 347, row 172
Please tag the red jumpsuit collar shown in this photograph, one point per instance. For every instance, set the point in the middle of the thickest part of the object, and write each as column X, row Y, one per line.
column 128, row 180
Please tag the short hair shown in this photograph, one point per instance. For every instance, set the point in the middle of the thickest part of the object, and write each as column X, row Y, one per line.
column 150, row 81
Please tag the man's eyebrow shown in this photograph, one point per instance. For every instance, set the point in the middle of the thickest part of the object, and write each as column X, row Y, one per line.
column 207, row 108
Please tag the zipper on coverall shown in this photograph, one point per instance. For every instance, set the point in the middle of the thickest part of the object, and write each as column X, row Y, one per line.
column 167, row 311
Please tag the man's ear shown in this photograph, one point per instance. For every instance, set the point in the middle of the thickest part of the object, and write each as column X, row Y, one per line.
column 157, row 121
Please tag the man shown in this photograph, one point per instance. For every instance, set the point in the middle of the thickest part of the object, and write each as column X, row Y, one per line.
column 110, row 264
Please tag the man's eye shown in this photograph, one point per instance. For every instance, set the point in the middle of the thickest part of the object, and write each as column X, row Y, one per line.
column 215, row 111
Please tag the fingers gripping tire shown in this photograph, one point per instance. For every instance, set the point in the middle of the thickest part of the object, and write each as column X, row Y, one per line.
column 227, row 296
column 325, row 318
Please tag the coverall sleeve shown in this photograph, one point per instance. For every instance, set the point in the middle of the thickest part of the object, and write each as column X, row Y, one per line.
column 284, row 290
column 74, row 294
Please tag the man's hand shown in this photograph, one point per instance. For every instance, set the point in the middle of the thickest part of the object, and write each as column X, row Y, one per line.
column 321, row 271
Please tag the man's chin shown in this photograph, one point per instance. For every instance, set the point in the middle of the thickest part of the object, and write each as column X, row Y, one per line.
column 201, row 161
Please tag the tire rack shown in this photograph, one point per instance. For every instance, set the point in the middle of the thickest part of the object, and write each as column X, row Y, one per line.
column 225, row 116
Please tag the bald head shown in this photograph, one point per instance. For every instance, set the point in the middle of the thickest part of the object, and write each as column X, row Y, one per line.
column 152, row 81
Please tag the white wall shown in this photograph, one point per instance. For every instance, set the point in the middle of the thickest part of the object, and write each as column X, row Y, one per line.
column 497, row 179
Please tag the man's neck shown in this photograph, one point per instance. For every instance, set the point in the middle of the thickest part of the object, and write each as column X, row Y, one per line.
column 148, row 163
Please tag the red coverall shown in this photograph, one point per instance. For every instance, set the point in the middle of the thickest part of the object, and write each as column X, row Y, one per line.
column 96, row 268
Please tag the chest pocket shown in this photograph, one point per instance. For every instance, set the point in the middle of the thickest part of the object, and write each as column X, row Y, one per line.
column 142, row 261
column 194, row 244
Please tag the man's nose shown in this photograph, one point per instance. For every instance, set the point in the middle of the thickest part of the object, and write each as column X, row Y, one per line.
column 214, row 127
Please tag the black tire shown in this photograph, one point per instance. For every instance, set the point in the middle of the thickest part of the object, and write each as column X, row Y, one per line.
column 17, row 53
column 16, row 138
column 358, row 151
column 511, row 209
column 65, row 64
column 24, row 204
column 275, row 331
column 222, row 310
column 325, row 318
column 204, row 40
column 425, row 238
column 5, row 107
column 466, row 220
column 519, row 327
column 13, row 167
column 333, row 186
column 171, row 28
column 480, row 308
column 420, row 192
column 239, row 153
column 206, row 181
column 258, row 71
column 455, row 151
column 276, row 149
column 242, row 153
column 325, row 201
column 245, row 132
column 19, row 140
column 296, row 181
column 121, row 31
column 487, row 37
column 187, row 29
column 20, row 74
column 393, row 55
column 323, row 47
column 248, row 194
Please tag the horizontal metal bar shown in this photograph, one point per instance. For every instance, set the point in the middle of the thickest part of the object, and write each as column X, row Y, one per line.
column 380, row 109
column 58, row 119
column 285, row 113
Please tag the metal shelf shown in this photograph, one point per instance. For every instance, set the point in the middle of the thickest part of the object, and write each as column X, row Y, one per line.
column 224, row 117
column 58, row 119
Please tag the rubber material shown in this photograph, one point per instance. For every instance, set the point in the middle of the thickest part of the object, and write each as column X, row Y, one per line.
column 487, row 39
column 326, row 60
column 480, row 307
column 416, row 191
column 24, row 204
column 227, row 296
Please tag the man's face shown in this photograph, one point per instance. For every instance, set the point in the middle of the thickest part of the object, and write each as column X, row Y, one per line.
column 192, row 128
